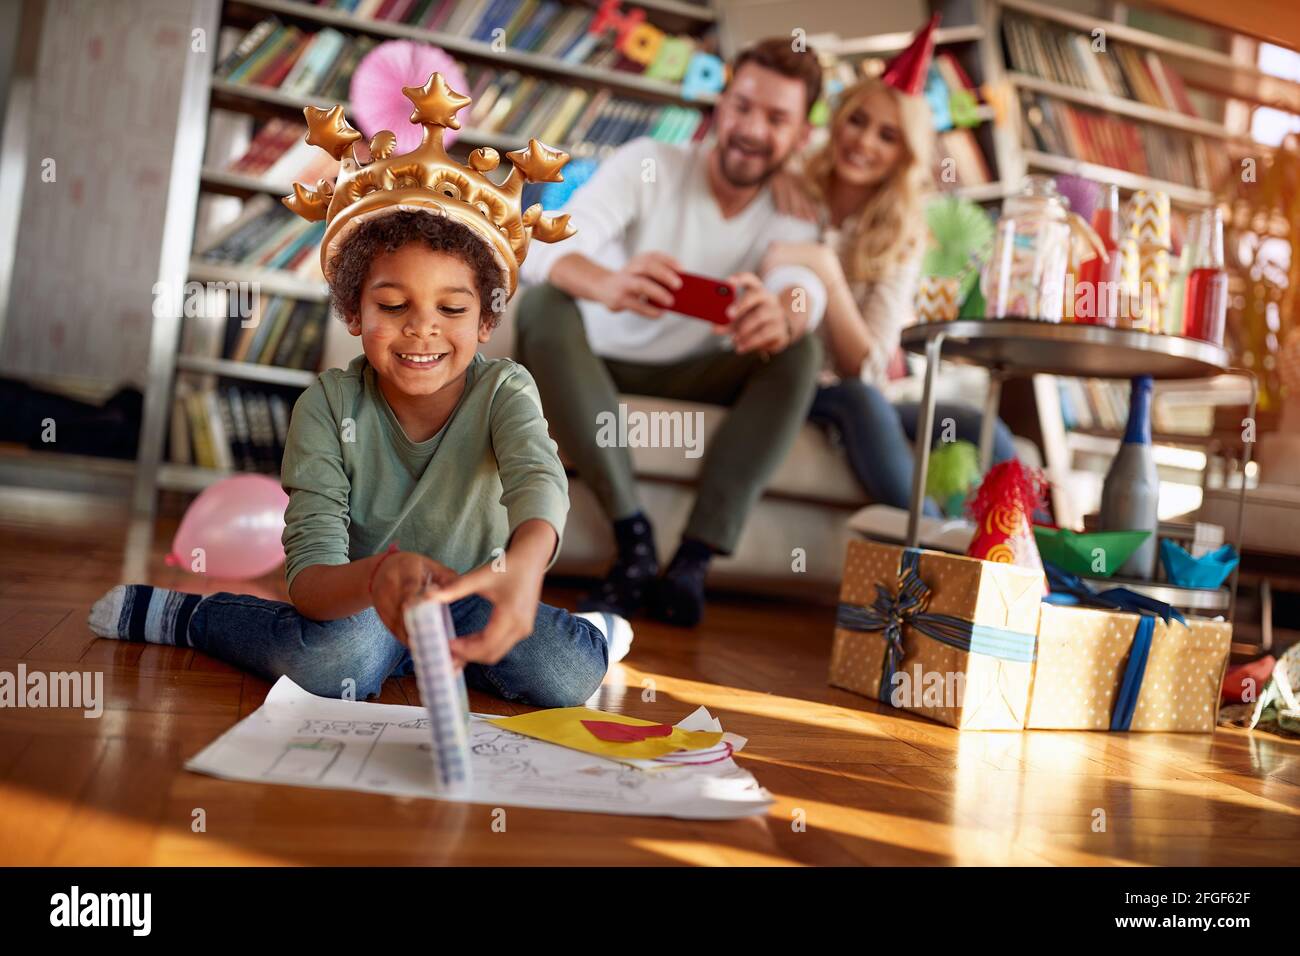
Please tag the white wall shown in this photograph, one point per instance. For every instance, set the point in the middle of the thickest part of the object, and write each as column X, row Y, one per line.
column 744, row 21
column 104, row 109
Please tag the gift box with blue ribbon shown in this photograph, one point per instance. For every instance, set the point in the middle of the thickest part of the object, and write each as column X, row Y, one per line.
column 949, row 637
column 1104, row 669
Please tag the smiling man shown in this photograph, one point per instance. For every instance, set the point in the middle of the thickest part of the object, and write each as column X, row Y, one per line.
column 600, row 323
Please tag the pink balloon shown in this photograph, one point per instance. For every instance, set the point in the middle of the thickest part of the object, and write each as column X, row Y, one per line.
column 236, row 526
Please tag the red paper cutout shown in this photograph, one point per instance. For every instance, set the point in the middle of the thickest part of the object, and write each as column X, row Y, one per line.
column 625, row 733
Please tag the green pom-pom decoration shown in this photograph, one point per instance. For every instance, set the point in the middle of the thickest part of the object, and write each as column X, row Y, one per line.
column 961, row 236
column 954, row 470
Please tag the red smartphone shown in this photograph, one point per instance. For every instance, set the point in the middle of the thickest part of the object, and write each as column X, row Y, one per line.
column 703, row 298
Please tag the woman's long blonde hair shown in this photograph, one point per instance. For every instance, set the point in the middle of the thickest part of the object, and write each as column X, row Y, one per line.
column 890, row 226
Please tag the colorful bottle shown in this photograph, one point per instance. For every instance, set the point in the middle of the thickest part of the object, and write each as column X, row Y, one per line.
column 1206, row 300
column 1131, row 494
column 1174, row 323
column 1097, row 285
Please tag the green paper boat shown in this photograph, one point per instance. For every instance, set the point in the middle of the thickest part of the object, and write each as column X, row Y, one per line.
column 1075, row 551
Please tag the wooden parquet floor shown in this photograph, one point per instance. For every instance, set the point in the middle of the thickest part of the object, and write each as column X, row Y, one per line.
column 873, row 787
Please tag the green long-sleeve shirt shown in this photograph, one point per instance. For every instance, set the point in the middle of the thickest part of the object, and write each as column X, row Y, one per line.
column 356, row 483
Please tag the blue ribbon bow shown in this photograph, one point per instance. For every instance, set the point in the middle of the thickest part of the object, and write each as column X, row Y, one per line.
column 909, row 605
column 1070, row 589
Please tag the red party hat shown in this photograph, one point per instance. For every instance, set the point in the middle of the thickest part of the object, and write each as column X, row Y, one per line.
column 907, row 71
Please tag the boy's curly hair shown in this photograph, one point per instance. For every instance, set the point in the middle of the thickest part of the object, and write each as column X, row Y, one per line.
column 351, row 263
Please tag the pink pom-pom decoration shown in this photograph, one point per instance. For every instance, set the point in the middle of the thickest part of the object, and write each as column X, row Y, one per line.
column 1083, row 194
column 376, row 92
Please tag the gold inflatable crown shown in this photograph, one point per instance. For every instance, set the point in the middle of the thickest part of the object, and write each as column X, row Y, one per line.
column 428, row 179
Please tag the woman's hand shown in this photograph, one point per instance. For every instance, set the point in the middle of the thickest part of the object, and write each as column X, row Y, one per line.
column 792, row 197
column 850, row 341
column 817, row 256
column 401, row 577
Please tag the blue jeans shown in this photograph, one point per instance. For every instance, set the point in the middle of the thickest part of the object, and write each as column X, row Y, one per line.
column 878, row 437
column 560, row 665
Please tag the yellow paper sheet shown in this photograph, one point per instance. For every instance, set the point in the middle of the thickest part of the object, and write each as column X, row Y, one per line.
column 563, row 726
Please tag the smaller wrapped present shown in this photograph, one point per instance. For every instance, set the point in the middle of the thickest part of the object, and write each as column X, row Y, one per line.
column 946, row 636
column 1108, row 670
column 1130, row 663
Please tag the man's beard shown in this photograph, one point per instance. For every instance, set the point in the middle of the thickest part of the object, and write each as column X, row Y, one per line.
column 736, row 177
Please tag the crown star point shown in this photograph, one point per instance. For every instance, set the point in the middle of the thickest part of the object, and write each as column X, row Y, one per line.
column 436, row 102
column 428, row 176
column 539, row 163
column 307, row 203
column 329, row 130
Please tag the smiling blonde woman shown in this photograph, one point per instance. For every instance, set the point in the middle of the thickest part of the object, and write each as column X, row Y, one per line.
column 866, row 186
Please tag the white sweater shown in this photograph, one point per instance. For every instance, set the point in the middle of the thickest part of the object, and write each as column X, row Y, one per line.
column 655, row 197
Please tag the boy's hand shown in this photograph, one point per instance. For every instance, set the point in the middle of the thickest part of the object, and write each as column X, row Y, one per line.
column 514, row 592
column 401, row 578
column 514, row 588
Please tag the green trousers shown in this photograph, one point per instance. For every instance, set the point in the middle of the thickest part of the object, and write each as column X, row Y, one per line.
column 769, row 401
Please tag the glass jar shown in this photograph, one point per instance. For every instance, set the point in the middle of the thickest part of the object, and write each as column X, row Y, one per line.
column 1024, row 278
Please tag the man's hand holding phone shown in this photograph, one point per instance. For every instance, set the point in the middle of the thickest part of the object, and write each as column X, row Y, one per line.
column 759, row 322
column 645, row 285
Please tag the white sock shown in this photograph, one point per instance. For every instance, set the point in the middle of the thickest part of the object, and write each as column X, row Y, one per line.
column 617, row 631
column 107, row 611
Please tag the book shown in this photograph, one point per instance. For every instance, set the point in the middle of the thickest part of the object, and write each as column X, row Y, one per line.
column 960, row 145
column 250, row 42
column 1145, row 149
column 179, row 450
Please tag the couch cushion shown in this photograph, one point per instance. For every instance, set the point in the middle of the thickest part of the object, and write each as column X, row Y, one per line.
column 765, row 555
column 813, row 470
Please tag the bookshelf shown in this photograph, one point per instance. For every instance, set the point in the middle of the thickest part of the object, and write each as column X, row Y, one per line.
column 1129, row 108
column 228, row 113
column 1206, row 69
column 310, row 14
column 1207, row 101
column 1149, row 68
column 973, row 33
column 1126, row 181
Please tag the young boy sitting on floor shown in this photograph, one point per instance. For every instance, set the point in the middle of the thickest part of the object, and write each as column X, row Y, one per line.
column 420, row 440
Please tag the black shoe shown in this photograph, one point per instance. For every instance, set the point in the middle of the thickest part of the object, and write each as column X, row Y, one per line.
column 678, row 597
column 624, row 591
column 625, row 588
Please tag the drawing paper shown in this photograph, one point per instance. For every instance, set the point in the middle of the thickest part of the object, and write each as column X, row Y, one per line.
column 300, row 739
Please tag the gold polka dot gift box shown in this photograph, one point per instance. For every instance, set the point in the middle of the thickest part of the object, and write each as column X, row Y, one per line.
column 1107, row 670
column 948, row 637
